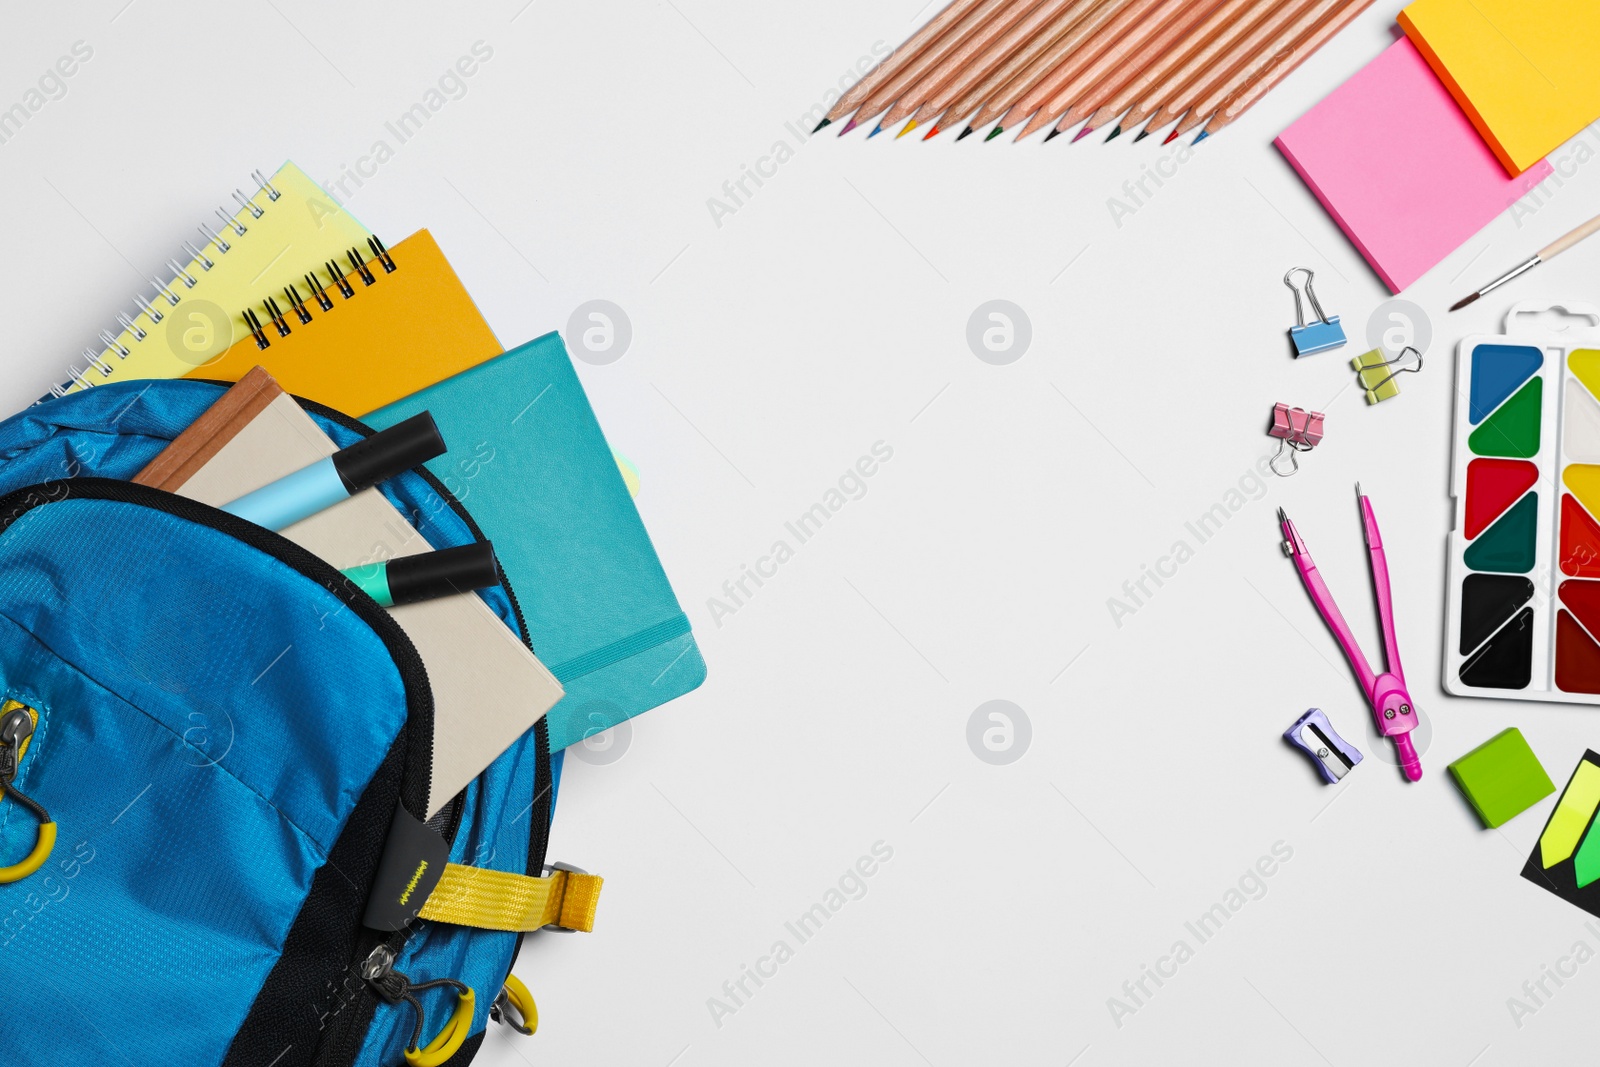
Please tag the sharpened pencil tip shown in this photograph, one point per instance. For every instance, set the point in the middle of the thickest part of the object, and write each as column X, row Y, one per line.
column 1086, row 131
column 1142, row 135
column 907, row 128
column 1197, row 140
column 848, row 127
column 821, row 124
column 1359, row 493
column 1116, row 131
column 875, row 131
column 996, row 132
column 1173, row 136
column 1283, row 516
column 1052, row 135
column 1459, row 304
column 931, row 134
column 964, row 134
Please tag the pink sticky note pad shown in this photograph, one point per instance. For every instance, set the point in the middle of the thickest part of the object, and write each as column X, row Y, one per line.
column 1400, row 167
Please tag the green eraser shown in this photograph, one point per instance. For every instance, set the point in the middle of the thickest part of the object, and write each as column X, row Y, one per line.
column 1502, row 778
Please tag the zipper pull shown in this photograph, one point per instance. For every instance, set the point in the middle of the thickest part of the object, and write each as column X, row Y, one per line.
column 378, row 965
column 16, row 726
column 396, row 988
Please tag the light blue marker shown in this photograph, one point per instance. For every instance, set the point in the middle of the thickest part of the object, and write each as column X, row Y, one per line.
column 293, row 497
column 342, row 475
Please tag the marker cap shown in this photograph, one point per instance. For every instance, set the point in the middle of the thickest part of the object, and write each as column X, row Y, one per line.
column 389, row 452
column 442, row 573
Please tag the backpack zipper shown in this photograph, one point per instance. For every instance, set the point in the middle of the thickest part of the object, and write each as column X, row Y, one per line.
column 370, row 948
column 348, row 1031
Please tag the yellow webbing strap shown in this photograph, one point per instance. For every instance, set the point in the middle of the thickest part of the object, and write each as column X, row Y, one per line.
column 498, row 900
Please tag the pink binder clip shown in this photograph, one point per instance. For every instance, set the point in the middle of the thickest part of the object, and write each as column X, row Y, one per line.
column 1297, row 430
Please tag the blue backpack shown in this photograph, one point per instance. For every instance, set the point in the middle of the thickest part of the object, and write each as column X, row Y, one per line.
column 206, row 734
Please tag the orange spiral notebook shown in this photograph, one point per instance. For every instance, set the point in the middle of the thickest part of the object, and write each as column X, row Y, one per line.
column 364, row 330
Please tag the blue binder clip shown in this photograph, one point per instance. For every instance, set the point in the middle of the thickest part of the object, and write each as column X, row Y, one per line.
column 1319, row 336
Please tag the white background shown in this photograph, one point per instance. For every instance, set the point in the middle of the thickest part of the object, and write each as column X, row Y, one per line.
column 771, row 352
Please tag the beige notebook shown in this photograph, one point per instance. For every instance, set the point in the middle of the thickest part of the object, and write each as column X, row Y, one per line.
column 488, row 689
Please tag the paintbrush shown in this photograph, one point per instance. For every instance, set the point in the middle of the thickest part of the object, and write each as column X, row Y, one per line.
column 1550, row 251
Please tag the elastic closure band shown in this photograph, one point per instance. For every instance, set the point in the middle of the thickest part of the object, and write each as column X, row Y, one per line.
column 617, row 651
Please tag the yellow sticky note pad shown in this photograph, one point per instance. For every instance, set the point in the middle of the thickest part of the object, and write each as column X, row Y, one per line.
column 1527, row 72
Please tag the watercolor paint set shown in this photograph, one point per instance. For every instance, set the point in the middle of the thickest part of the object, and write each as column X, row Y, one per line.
column 1523, row 616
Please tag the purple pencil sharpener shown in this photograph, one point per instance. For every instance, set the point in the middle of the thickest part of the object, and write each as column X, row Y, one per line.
column 1314, row 735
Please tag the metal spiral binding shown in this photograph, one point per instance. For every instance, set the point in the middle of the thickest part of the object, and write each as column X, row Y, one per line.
column 181, row 275
column 381, row 253
column 337, row 277
column 324, row 301
column 113, row 344
column 360, row 266
column 215, row 238
column 232, row 221
column 297, row 305
column 132, row 332
column 271, row 314
column 198, row 256
column 128, row 324
column 148, row 308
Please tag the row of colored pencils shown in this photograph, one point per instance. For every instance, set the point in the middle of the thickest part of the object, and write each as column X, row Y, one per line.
column 1037, row 63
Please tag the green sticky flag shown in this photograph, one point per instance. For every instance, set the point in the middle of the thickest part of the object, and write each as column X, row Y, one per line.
column 1572, row 814
column 1587, row 863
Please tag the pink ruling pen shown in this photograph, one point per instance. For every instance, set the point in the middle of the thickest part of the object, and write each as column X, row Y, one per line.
column 1391, row 704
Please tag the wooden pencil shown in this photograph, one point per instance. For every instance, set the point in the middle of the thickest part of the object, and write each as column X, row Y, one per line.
column 1002, row 77
column 985, row 63
column 1122, row 84
column 976, row 54
column 1223, row 83
column 1120, row 53
column 1035, row 72
column 896, row 60
column 1065, row 78
column 1245, row 97
column 1251, row 62
column 1109, row 21
column 1195, row 63
column 1225, row 27
column 878, row 101
column 1226, row 53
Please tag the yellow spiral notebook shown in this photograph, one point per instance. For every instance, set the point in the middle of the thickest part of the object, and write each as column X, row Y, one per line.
column 285, row 226
column 364, row 329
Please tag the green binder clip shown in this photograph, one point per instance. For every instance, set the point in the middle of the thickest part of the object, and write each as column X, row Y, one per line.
column 1375, row 375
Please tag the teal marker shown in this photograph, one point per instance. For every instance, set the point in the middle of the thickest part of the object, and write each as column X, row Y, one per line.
column 373, row 580
column 428, row 575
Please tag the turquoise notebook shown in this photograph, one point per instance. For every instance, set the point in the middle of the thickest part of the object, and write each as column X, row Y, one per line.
column 528, row 460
